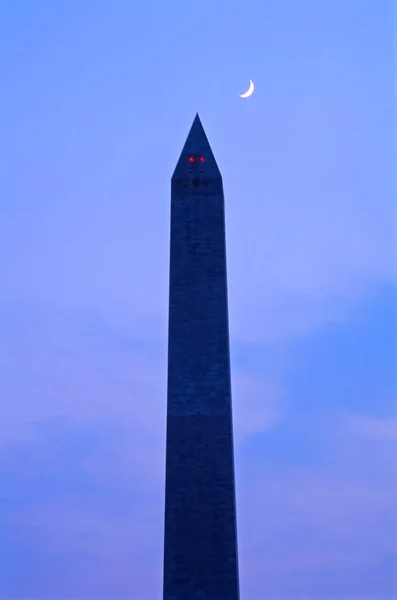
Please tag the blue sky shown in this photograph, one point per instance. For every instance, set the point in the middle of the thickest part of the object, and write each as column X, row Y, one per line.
column 97, row 100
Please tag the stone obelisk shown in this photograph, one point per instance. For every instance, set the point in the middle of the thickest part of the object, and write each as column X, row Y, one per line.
column 200, row 546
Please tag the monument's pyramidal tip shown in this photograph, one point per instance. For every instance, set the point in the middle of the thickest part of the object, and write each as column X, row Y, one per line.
column 197, row 150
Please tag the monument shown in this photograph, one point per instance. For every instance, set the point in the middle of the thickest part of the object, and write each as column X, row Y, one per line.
column 200, row 542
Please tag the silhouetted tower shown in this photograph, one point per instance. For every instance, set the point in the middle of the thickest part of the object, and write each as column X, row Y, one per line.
column 200, row 547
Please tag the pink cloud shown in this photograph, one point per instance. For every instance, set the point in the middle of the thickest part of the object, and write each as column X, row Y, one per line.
column 374, row 427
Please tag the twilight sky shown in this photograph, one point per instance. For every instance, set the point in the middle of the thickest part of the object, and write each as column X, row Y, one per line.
column 97, row 98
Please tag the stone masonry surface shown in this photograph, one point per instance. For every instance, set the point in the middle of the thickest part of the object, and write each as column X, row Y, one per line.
column 200, row 545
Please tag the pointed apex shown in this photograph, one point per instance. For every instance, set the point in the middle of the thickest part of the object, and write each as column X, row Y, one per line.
column 197, row 153
column 196, row 139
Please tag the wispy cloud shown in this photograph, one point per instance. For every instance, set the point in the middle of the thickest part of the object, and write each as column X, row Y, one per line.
column 66, row 364
column 86, row 496
column 382, row 428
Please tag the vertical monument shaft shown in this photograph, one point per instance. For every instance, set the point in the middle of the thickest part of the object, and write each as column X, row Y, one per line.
column 200, row 547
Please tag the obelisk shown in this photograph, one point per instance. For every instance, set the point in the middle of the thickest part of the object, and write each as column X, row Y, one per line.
column 200, row 545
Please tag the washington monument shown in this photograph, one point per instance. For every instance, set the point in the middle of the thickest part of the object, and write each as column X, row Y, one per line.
column 200, row 545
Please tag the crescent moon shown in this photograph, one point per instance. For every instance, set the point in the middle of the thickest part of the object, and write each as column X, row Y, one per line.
column 249, row 91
